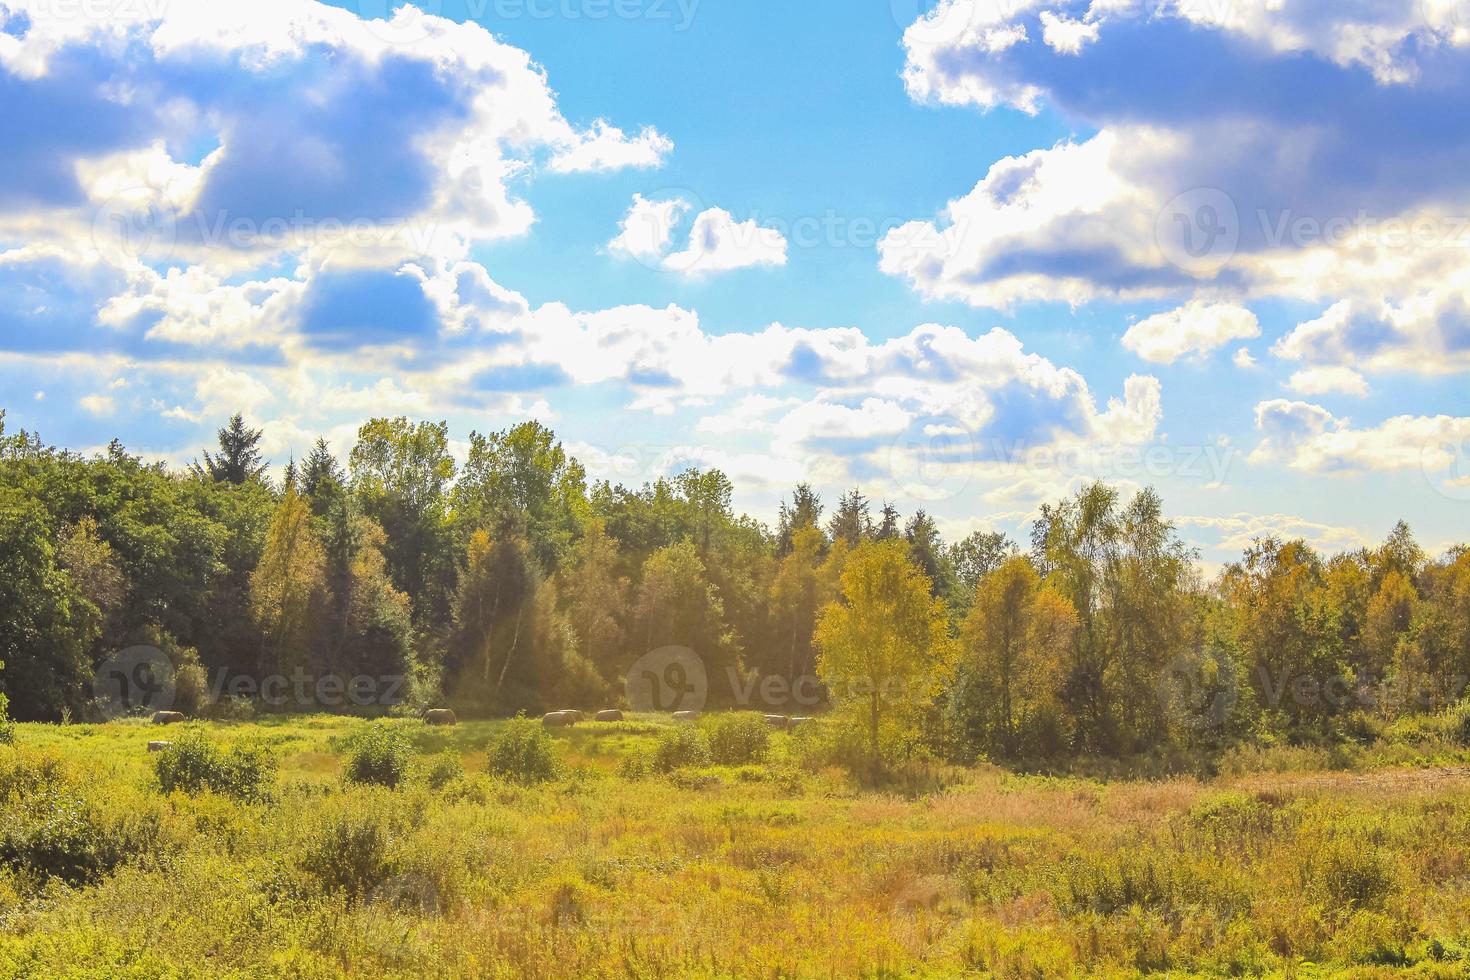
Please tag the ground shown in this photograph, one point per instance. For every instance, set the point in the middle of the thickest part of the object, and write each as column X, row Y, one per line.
column 781, row 869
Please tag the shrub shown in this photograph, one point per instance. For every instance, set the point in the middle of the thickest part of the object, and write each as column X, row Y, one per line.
column 348, row 856
column 7, row 727
column 379, row 756
column 523, row 753
column 445, row 769
column 679, row 748
column 62, row 837
column 194, row 764
column 739, row 739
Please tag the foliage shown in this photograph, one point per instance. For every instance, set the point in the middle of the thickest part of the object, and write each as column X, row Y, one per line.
column 739, row 738
column 348, row 856
column 523, row 753
column 379, row 755
column 681, row 747
column 884, row 649
column 194, row 764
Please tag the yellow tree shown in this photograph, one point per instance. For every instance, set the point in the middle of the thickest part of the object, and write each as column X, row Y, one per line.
column 289, row 582
column 884, row 648
column 1016, row 636
column 798, row 593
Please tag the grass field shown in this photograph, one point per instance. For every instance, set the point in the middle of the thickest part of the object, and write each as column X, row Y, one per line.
column 776, row 869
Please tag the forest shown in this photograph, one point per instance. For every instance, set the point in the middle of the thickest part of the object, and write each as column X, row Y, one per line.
column 512, row 583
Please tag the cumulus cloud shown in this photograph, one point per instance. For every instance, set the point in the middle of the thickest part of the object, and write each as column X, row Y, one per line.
column 1309, row 438
column 1328, row 381
column 242, row 163
column 717, row 241
column 1190, row 331
column 1307, row 151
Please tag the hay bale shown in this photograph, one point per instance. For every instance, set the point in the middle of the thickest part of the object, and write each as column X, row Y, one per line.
column 168, row 718
column 159, row 746
column 559, row 719
column 686, row 715
column 440, row 716
column 779, row 722
column 611, row 714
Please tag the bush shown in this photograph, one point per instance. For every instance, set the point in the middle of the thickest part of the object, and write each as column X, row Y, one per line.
column 445, row 769
column 379, row 756
column 524, row 753
column 679, row 748
column 7, row 727
column 59, row 836
column 348, row 856
column 739, row 739
column 194, row 764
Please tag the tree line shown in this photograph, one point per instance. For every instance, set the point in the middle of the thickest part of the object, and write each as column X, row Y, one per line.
column 513, row 582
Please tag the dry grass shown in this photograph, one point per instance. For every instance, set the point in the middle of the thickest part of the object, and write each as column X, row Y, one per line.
column 767, row 870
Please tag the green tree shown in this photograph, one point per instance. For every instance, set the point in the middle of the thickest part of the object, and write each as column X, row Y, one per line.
column 596, row 597
column 851, row 521
column 520, row 481
column 44, row 634
column 401, row 472
column 239, row 457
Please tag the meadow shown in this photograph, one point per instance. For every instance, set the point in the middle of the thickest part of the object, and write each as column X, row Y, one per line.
column 636, row 854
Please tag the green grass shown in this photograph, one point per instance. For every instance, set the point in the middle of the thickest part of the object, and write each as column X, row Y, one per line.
column 1361, row 867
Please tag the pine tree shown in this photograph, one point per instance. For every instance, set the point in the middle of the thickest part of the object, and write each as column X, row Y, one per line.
column 239, row 458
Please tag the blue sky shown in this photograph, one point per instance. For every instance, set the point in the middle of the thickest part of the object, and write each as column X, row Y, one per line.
column 965, row 255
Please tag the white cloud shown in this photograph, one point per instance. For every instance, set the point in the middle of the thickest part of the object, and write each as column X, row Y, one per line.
column 647, row 230
column 719, row 243
column 716, row 243
column 1311, row 439
column 1327, row 381
column 98, row 405
column 1194, row 330
column 1244, row 359
column 1065, row 35
column 606, row 147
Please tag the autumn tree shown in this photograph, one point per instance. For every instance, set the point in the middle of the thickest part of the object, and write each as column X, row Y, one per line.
column 797, row 595
column 884, row 648
column 288, row 587
column 1015, row 642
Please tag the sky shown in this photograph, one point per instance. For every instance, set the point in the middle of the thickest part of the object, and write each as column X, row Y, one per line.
column 963, row 255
